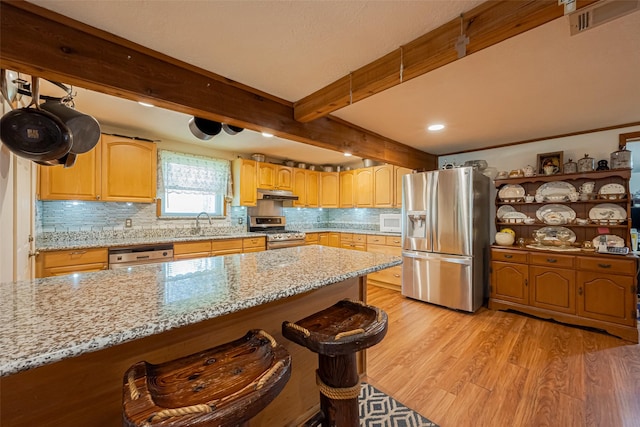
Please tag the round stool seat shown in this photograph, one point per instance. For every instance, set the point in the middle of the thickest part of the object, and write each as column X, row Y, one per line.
column 223, row 386
column 344, row 328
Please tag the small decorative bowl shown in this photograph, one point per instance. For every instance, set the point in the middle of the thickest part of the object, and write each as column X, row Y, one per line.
column 504, row 239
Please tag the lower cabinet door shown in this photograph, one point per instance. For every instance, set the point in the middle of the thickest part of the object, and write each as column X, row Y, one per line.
column 552, row 288
column 609, row 297
column 509, row 282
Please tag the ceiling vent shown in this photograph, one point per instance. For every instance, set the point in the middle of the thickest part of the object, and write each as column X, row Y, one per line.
column 600, row 13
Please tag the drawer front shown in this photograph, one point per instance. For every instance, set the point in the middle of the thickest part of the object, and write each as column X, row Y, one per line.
column 552, row 260
column 509, row 256
column 223, row 246
column 360, row 238
column 202, row 246
column 394, row 241
column 391, row 275
column 376, row 240
column 191, row 255
column 254, row 243
column 84, row 268
column 383, row 249
column 608, row 265
column 74, row 257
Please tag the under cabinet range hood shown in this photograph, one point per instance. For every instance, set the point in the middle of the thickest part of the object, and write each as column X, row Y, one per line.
column 275, row 195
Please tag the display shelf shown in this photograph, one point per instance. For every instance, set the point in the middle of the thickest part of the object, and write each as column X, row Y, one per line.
column 622, row 173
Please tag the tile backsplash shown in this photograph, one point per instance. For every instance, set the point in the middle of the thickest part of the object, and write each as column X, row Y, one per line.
column 75, row 220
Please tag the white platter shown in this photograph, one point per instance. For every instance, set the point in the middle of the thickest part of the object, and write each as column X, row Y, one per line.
column 556, row 190
column 503, row 210
column 611, row 189
column 551, row 232
column 555, row 214
column 511, row 192
column 607, row 213
column 612, row 240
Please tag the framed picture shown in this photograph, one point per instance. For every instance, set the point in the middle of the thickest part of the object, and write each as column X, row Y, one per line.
column 550, row 163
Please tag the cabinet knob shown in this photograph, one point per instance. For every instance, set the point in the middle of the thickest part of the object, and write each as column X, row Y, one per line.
column 580, row 291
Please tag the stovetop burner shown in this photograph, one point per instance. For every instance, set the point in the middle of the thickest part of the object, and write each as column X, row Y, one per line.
column 274, row 228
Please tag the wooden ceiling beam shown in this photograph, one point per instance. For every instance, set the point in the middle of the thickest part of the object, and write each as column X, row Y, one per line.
column 486, row 25
column 42, row 43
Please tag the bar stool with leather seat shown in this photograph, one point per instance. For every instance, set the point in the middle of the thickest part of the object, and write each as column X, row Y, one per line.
column 223, row 386
column 336, row 334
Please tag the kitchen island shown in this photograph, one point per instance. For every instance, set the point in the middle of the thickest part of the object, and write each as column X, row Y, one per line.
column 66, row 341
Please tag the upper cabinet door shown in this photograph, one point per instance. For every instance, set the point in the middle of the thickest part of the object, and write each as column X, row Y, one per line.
column 244, row 182
column 284, row 180
column 129, row 170
column 313, row 188
column 266, row 175
column 79, row 182
column 329, row 189
column 383, row 186
column 399, row 173
column 300, row 187
column 364, row 188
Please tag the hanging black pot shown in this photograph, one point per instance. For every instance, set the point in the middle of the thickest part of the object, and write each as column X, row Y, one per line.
column 84, row 128
column 204, row 129
column 35, row 134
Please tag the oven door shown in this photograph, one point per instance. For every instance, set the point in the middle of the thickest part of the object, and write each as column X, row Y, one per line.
column 279, row 244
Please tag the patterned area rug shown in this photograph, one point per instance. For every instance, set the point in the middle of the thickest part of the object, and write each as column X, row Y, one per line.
column 379, row 410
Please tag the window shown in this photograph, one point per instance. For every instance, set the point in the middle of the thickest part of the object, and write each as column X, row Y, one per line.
column 191, row 184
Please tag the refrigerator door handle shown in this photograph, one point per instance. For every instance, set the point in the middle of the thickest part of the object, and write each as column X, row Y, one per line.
column 437, row 258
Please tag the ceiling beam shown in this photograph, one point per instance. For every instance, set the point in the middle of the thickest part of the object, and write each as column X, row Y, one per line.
column 486, row 25
column 42, row 43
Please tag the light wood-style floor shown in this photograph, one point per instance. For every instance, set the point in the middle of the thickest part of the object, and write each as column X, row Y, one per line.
column 495, row 368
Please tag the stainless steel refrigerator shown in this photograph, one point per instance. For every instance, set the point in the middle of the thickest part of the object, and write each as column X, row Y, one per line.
column 445, row 237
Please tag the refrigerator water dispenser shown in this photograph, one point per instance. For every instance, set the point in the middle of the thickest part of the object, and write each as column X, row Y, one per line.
column 417, row 224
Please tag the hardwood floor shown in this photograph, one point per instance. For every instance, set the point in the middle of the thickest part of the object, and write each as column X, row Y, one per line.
column 495, row 368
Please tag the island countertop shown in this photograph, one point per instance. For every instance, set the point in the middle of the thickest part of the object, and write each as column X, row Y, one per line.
column 51, row 319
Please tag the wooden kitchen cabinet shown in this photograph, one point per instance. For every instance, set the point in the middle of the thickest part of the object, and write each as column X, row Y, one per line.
column 347, row 189
column 390, row 278
column 226, row 247
column 254, row 244
column 306, row 185
column 399, row 172
column 329, row 189
column 353, row 241
column 586, row 289
column 58, row 263
column 383, row 186
column 364, row 188
column 118, row 169
column 311, row 239
column 128, row 170
column 80, row 182
column 329, row 239
column 245, row 183
column 190, row 250
column 274, row 177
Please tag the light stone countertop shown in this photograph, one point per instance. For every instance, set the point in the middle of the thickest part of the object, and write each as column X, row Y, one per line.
column 64, row 244
column 51, row 319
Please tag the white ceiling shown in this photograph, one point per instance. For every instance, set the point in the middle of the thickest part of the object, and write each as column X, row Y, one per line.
column 541, row 83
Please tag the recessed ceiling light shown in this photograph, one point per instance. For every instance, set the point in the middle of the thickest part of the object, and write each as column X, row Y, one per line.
column 435, row 127
column 347, row 154
column 267, row 135
column 145, row 104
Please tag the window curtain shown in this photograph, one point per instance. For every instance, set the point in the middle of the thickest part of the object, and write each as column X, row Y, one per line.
column 192, row 174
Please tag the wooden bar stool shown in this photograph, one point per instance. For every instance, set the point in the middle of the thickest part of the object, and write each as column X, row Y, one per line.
column 336, row 334
column 223, row 386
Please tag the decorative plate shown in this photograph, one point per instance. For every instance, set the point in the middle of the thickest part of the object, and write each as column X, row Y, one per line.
column 611, row 189
column 612, row 240
column 503, row 210
column 551, row 232
column 555, row 214
column 555, row 190
column 511, row 192
column 607, row 213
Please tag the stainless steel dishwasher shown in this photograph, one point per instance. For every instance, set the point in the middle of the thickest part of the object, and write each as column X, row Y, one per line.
column 127, row 256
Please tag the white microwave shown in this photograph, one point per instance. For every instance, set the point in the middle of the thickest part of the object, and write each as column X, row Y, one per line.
column 391, row 223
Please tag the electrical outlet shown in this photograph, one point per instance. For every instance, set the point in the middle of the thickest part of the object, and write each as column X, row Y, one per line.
column 127, row 222
column 240, row 221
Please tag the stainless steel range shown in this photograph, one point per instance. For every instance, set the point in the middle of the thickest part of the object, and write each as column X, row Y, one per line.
column 274, row 228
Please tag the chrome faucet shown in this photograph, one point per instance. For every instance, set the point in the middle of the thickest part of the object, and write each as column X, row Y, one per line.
column 198, row 219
